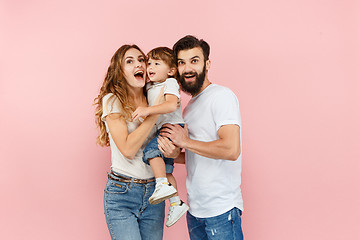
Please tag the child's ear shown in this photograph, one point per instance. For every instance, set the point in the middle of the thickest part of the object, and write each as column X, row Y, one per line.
column 172, row 72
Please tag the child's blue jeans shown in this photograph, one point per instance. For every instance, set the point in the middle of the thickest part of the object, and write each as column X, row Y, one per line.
column 152, row 150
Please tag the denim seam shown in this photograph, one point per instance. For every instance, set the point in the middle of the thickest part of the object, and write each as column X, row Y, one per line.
column 108, row 217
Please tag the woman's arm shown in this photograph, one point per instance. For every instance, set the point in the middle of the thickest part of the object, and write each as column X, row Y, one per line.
column 170, row 105
column 129, row 144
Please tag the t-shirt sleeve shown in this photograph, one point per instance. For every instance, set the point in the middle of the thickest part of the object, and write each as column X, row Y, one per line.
column 172, row 87
column 225, row 109
column 110, row 104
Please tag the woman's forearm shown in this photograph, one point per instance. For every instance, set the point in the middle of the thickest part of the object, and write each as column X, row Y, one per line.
column 136, row 139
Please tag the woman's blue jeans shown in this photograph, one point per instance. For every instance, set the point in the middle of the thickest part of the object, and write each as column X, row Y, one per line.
column 226, row 226
column 129, row 215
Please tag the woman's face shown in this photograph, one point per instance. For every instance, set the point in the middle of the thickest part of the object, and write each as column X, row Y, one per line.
column 134, row 68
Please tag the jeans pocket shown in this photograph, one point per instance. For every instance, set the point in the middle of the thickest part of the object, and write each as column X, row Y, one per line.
column 116, row 187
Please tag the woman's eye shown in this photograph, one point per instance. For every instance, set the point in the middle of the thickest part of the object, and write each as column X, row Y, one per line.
column 195, row 61
column 129, row 61
column 141, row 60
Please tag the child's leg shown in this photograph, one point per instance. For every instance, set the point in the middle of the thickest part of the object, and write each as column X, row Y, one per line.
column 158, row 167
column 177, row 207
column 163, row 189
column 172, row 181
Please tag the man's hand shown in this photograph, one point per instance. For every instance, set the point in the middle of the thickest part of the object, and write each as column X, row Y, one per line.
column 168, row 148
column 140, row 112
column 178, row 135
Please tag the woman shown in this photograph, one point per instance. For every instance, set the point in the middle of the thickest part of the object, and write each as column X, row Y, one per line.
column 129, row 215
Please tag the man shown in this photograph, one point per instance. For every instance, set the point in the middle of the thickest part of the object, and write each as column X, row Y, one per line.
column 212, row 143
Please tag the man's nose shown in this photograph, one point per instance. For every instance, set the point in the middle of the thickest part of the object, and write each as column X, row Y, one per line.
column 187, row 68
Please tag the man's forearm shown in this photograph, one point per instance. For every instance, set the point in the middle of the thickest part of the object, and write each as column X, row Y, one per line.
column 218, row 149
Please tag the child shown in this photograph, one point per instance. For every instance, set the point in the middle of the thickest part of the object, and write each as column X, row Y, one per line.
column 161, row 66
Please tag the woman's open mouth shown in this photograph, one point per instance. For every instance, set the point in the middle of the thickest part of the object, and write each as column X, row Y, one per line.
column 139, row 75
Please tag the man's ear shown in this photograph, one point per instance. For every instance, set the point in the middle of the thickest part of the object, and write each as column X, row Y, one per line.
column 172, row 72
column 208, row 64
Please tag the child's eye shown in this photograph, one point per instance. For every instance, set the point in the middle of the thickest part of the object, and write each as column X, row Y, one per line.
column 149, row 63
column 157, row 63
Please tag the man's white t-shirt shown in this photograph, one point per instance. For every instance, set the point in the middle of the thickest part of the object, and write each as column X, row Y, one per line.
column 171, row 87
column 130, row 167
column 213, row 185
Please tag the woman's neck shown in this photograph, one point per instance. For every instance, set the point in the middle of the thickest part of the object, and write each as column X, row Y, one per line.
column 137, row 96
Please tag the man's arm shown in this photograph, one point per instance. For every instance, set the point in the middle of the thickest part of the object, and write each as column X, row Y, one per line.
column 227, row 147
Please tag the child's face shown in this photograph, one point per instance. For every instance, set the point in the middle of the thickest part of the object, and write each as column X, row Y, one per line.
column 157, row 70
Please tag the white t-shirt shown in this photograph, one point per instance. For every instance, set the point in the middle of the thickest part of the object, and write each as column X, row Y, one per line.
column 171, row 87
column 213, row 185
column 130, row 167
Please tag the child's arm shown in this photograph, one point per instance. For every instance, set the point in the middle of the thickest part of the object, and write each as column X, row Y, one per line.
column 170, row 105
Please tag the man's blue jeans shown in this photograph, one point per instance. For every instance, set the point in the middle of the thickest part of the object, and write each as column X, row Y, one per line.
column 226, row 226
column 129, row 215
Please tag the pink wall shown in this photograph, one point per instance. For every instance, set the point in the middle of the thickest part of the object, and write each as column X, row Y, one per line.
column 294, row 66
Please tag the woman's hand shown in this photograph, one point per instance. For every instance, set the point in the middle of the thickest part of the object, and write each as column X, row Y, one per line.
column 168, row 148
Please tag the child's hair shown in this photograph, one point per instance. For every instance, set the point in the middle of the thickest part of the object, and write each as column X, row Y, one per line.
column 165, row 54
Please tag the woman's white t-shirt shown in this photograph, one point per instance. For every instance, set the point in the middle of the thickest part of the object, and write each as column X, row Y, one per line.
column 130, row 167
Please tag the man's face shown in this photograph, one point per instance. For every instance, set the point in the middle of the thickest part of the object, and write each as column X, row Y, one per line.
column 192, row 69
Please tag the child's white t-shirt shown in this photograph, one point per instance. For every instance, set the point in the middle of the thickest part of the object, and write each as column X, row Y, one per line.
column 171, row 87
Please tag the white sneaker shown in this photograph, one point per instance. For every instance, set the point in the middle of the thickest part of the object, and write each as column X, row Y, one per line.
column 175, row 213
column 162, row 192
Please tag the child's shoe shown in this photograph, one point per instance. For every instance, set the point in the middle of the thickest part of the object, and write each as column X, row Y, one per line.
column 175, row 213
column 163, row 191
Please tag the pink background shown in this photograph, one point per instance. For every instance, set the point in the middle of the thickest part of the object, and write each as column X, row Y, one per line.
column 294, row 65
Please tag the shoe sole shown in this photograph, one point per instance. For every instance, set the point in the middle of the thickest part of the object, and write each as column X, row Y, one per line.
column 159, row 200
column 178, row 217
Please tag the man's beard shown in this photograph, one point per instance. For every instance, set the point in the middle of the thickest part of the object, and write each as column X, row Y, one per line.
column 194, row 87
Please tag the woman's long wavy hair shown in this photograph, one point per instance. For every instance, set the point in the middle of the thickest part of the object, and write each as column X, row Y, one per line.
column 116, row 84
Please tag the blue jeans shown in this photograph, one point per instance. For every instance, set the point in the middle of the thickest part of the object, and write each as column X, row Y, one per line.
column 226, row 226
column 152, row 150
column 129, row 215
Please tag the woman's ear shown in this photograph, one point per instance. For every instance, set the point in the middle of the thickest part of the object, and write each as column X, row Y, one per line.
column 172, row 72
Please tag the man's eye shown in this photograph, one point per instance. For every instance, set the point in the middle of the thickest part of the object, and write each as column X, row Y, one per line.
column 180, row 62
column 194, row 61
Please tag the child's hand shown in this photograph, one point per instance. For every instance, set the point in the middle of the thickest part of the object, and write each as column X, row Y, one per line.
column 140, row 112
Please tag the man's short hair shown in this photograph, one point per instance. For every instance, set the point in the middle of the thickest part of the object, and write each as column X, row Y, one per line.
column 189, row 42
